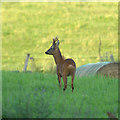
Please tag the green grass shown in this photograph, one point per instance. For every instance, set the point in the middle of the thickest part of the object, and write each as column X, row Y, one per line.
column 30, row 27
column 37, row 95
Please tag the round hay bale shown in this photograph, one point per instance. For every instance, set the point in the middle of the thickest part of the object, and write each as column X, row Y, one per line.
column 110, row 70
column 102, row 68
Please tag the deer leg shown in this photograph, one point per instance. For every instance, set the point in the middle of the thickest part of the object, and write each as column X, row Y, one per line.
column 59, row 81
column 65, row 82
column 72, row 77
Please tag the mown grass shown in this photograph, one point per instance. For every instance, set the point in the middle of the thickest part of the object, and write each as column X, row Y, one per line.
column 30, row 27
column 37, row 95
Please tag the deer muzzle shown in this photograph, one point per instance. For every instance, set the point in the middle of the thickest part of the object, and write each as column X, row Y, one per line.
column 46, row 52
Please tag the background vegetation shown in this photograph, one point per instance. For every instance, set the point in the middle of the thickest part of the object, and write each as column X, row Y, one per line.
column 36, row 95
column 30, row 27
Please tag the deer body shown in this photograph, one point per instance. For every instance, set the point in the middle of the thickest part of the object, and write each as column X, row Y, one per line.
column 65, row 67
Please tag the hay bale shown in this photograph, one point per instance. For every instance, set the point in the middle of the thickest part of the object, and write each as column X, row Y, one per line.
column 110, row 70
column 102, row 68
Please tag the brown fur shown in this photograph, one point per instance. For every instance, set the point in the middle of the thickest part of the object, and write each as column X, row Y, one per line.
column 65, row 67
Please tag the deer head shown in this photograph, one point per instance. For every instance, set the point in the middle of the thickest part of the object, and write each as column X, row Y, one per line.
column 54, row 47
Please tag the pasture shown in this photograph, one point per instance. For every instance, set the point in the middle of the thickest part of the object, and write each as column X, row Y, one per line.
column 30, row 27
column 35, row 95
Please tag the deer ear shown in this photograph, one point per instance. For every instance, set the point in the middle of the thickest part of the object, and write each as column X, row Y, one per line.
column 58, row 43
column 53, row 40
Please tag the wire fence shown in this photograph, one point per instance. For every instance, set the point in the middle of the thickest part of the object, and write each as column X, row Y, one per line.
column 40, row 64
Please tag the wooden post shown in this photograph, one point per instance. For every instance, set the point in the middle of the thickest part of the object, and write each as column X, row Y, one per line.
column 26, row 62
column 112, row 58
column 106, row 56
column 100, row 49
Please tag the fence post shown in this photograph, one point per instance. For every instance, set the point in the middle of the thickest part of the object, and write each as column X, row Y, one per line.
column 112, row 58
column 100, row 49
column 26, row 62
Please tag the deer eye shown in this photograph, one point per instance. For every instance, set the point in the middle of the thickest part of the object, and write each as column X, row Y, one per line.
column 52, row 47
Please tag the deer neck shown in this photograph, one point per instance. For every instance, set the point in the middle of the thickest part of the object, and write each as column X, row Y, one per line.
column 58, row 57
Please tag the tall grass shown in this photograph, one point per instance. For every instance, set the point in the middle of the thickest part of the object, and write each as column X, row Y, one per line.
column 35, row 95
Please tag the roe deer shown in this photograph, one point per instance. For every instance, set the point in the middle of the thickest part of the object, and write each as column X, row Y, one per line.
column 65, row 67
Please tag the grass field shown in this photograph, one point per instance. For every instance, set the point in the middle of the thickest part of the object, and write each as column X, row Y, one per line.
column 35, row 95
column 30, row 27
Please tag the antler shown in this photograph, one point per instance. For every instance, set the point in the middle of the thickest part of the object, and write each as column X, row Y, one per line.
column 55, row 39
